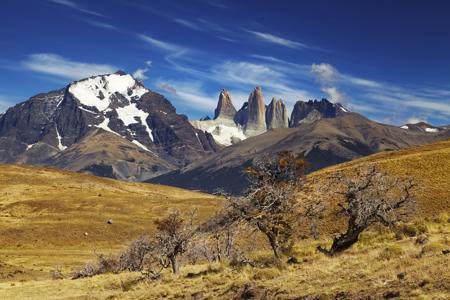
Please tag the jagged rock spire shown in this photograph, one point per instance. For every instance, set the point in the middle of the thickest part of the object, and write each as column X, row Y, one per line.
column 276, row 114
column 225, row 108
column 256, row 123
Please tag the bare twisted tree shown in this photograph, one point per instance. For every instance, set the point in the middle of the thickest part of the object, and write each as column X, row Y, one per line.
column 269, row 204
column 373, row 197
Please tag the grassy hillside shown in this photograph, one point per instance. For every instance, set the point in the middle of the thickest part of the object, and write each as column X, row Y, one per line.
column 429, row 165
column 50, row 217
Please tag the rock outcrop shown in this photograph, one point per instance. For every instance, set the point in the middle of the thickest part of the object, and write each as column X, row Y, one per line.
column 256, row 121
column 313, row 110
column 276, row 114
column 225, row 108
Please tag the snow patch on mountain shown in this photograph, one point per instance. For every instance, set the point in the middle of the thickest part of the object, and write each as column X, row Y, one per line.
column 104, row 125
column 130, row 114
column 61, row 147
column 97, row 91
column 224, row 131
column 30, row 146
column 140, row 145
column 431, row 130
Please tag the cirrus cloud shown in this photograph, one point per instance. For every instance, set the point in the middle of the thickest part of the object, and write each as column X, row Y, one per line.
column 59, row 66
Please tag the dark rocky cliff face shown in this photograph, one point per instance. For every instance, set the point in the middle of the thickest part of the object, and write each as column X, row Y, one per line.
column 314, row 110
column 241, row 116
column 52, row 123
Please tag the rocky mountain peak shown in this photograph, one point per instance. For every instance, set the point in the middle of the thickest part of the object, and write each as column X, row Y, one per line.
column 56, row 124
column 225, row 108
column 120, row 72
column 313, row 110
column 276, row 114
column 256, row 121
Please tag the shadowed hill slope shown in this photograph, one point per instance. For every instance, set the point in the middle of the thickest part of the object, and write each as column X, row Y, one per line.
column 323, row 143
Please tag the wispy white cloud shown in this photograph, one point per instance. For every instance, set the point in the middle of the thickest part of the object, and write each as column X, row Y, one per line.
column 246, row 72
column 411, row 101
column 140, row 73
column 334, row 95
column 247, row 75
column 59, row 66
column 211, row 26
column 103, row 25
column 325, row 73
column 188, row 94
column 362, row 82
column 271, row 38
column 164, row 86
column 216, row 3
column 188, row 24
column 74, row 5
column 160, row 44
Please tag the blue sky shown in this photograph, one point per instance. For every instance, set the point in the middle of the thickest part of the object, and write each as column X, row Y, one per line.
column 389, row 60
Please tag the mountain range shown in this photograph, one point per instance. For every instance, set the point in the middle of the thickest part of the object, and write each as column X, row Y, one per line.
column 230, row 126
column 113, row 126
column 325, row 142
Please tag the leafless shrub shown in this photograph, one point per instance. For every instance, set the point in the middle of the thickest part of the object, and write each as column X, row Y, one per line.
column 173, row 237
column 104, row 264
column 373, row 197
column 134, row 258
column 213, row 244
column 57, row 273
column 88, row 270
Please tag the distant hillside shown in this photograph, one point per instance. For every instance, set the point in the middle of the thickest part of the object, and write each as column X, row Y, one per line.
column 323, row 143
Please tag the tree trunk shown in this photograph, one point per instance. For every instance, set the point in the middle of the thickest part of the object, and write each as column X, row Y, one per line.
column 174, row 264
column 272, row 239
column 275, row 248
column 343, row 242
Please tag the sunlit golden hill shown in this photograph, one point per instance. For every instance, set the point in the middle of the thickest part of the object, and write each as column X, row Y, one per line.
column 52, row 217
column 428, row 165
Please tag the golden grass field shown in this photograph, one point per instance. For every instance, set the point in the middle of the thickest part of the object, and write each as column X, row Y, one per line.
column 56, row 219
column 52, row 218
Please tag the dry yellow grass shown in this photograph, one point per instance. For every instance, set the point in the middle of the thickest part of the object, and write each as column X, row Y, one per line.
column 429, row 165
column 357, row 273
column 51, row 218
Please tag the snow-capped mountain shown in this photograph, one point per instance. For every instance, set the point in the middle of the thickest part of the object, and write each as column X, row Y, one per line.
column 59, row 127
column 422, row 127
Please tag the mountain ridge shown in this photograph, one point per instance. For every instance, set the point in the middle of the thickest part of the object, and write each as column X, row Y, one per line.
column 325, row 142
column 48, row 124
